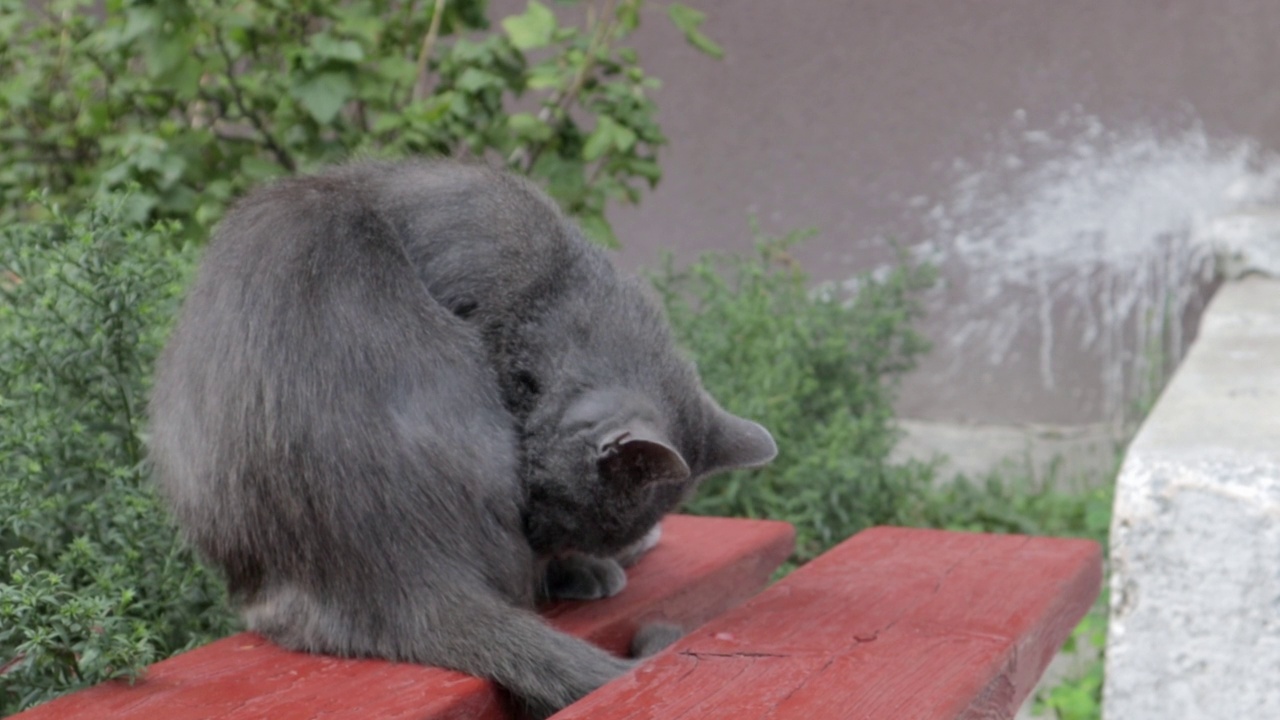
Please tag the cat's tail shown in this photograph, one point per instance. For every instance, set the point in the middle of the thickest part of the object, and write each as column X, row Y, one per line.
column 546, row 670
column 543, row 669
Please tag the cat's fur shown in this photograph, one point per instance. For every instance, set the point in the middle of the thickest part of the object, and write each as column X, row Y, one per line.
column 401, row 396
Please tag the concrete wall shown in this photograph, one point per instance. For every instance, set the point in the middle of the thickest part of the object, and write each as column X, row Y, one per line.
column 1195, row 594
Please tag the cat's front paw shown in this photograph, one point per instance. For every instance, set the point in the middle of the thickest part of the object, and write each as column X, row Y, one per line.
column 583, row 577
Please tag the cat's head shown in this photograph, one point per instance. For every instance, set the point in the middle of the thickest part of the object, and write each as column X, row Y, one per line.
column 616, row 460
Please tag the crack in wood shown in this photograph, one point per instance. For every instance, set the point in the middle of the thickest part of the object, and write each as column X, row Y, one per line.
column 695, row 654
column 728, row 684
column 937, row 586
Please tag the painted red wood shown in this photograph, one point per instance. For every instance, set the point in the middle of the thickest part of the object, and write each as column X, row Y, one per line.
column 893, row 624
column 701, row 567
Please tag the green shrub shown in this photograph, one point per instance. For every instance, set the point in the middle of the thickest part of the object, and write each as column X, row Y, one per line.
column 197, row 101
column 94, row 583
column 1011, row 504
column 819, row 370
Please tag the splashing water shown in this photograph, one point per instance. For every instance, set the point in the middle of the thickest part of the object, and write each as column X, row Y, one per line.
column 1084, row 241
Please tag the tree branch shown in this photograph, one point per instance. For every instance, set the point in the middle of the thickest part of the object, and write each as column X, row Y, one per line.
column 282, row 156
column 418, row 90
column 560, row 103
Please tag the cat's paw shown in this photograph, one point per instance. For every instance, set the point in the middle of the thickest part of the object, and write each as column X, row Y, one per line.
column 583, row 577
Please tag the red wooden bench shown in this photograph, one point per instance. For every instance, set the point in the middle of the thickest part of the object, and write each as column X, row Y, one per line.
column 894, row 624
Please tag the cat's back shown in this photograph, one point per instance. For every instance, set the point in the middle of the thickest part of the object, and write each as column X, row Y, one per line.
column 493, row 248
column 477, row 235
column 308, row 338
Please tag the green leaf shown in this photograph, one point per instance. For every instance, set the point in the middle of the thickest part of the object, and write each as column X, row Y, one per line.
column 359, row 20
column 431, row 109
column 324, row 95
column 474, row 80
column 326, row 46
column 529, row 127
column 397, row 69
column 532, row 29
column 646, row 169
column 624, row 138
column 597, row 144
column 174, row 66
column 688, row 21
column 546, row 75
column 607, row 135
column 387, row 122
column 139, row 21
column 598, row 230
column 628, row 18
column 565, row 178
column 259, row 169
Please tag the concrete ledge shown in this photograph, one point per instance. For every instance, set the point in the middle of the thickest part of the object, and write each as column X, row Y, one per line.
column 1195, row 541
column 1072, row 457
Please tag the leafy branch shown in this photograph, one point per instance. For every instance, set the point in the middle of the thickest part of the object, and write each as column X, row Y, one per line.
column 238, row 95
column 195, row 102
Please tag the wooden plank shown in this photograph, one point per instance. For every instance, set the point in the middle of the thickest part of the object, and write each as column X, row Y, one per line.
column 701, row 567
column 893, row 624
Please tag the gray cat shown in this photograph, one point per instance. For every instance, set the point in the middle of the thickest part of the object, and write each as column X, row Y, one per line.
column 404, row 400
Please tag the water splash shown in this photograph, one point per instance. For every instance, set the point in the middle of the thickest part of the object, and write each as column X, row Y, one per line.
column 1083, row 241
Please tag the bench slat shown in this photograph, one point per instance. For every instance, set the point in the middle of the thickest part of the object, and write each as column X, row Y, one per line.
column 702, row 567
column 893, row 624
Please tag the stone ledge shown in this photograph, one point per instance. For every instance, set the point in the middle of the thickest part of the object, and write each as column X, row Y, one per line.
column 1071, row 457
column 1195, row 541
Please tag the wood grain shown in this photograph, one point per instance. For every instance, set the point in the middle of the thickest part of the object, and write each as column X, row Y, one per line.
column 702, row 567
column 893, row 624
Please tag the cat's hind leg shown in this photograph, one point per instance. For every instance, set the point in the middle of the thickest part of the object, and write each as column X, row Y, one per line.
column 298, row 620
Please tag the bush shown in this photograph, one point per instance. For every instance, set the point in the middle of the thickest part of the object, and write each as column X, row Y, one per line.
column 197, row 101
column 94, row 583
column 819, row 370
column 1014, row 505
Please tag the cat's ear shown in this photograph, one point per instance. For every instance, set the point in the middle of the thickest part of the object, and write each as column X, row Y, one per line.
column 735, row 442
column 639, row 455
